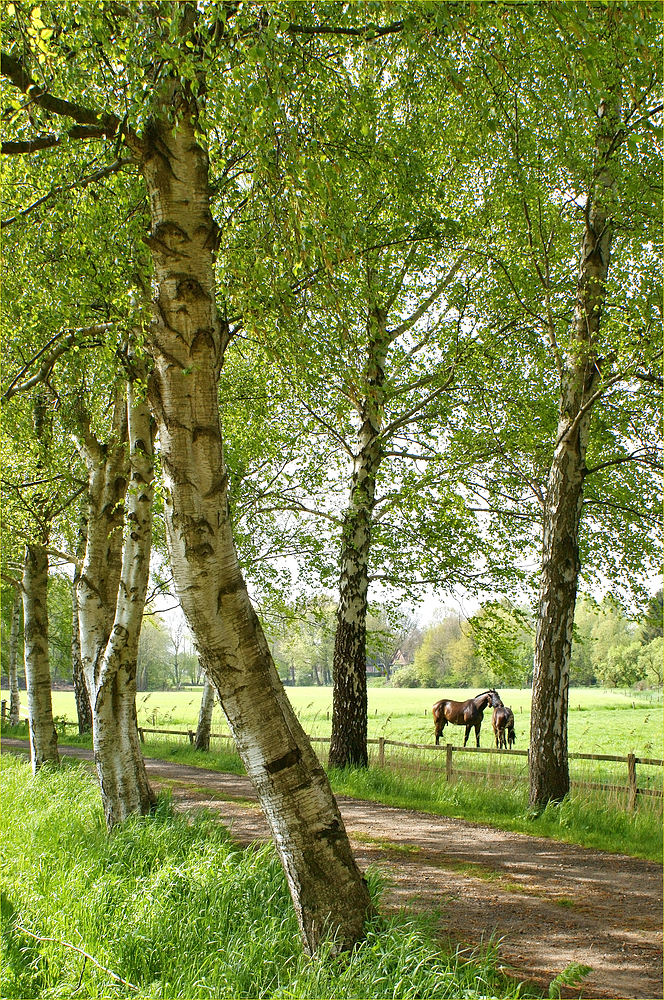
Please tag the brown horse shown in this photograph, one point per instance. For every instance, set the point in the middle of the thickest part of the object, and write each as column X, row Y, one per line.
column 464, row 713
column 502, row 720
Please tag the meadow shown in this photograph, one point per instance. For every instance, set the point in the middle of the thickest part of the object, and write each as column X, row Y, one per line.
column 601, row 720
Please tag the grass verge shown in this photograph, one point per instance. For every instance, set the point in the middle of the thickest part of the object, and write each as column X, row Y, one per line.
column 589, row 819
column 585, row 820
column 168, row 906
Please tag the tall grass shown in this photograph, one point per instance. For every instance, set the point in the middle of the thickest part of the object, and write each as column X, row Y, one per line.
column 170, row 906
column 591, row 820
column 596, row 819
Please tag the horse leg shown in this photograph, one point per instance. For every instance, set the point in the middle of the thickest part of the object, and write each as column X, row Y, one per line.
column 478, row 726
column 439, row 729
column 468, row 728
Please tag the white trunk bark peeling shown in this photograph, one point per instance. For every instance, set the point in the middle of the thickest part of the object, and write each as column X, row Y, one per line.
column 187, row 345
column 14, row 696
column 111, row 598
column 202, row 740
column 43, row 737
column 348, row 745
column 581, row 374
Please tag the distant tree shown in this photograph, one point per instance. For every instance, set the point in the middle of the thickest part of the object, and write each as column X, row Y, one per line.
column 502, row 636
column 652, row 623
column 582, row 663
column 60, row 626
column 651, row 662
column 154, row 660
column 432, row 663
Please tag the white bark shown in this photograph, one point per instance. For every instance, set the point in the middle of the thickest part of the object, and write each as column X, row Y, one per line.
column 580, row 374
column 14, row 696
column 187, row 345
column 348, row 745
column 202, row 740
column 43, row 737
column 111, row 598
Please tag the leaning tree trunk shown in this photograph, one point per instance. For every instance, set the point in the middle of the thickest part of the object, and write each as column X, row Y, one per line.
column 202, row 739
column 83, row 708
column 43, row 737
column 111, row 598
column 187, row 342
column 348, row 746
column 14, row 635
column 580, row 376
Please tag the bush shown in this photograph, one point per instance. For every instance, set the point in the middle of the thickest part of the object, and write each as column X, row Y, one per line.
column 405, row 677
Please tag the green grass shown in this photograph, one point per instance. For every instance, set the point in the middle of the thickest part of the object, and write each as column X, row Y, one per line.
column 170, row 905
column 598, row 820
column 600, row 720
column 588, row 820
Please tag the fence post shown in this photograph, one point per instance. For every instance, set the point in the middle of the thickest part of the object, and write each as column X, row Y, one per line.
column 381, row 751
column 141, row 734
column 191, row 736
column 3, row 707
column 448, row 762
column 631, row 775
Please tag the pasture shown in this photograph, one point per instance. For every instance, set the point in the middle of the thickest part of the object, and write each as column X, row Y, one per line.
column 601, row 720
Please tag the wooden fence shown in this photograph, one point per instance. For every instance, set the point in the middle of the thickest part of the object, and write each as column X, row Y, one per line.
column 631, row 790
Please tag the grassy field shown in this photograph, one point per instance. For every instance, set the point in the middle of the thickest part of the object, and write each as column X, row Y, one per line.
column 600, row 720
column 172, row 908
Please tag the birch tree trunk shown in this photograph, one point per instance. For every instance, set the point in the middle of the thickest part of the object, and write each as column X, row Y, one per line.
column 83, row 709
column 202, row 739
column 187, row 344
column 43, row 737
column 14, row 696
column 348, row 746
column 111, row 598
column 580, row 370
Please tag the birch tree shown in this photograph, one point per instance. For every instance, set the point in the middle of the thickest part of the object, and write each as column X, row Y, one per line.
column 573, row 159
column 187, row 337
column 26, row 482
column 378, row 202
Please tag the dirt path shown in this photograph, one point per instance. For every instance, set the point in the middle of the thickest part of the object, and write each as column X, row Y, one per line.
column 548, row 903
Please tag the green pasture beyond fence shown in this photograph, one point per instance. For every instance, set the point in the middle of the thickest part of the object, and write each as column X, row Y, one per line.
column 626, row 780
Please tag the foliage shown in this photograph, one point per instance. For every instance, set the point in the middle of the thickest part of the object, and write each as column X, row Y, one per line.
column 574, row 974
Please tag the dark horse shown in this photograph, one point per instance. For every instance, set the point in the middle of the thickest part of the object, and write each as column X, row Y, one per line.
column 464, row 713
column 503, row 721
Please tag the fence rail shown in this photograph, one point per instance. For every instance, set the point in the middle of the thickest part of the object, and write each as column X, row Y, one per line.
column 631, row 789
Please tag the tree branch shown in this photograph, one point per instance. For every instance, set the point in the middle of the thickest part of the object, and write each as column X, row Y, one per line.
column 75, row 337
column 16, row 147
column 436, row 293
column 368, row 31
column 73, row 947
column 13, row 69
column 92, row 178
